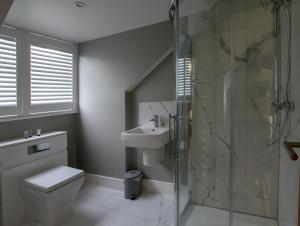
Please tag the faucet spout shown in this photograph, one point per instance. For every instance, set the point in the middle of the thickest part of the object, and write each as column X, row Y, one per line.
column 155, row 119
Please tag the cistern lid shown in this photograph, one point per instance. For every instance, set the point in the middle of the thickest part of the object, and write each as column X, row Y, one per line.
column 52, row 179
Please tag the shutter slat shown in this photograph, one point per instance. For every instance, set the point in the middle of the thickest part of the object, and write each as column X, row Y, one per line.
column 52, row 51
column 8, row 94
column 45, row 54
column 50, row 67
column 47, row 90
column 4, row 75
column 39, row 94
column 7, row 57
column 7, row 42
column 42, row 82
column 7, row 85
column 51, row 78
column 44, row 70
column 51, row 74
column 52, row 101
column 8, row 52
column 50, row 86
column 7, row 61
column 8, row 80
column 7, row 47
column 50, row 59
column 7, row 99
column 52, row 98
column 8, row 89
column 39, row 61
column 8, row 66
column 8, row 104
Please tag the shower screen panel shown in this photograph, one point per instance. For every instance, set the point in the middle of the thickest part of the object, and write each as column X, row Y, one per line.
column 227, row 173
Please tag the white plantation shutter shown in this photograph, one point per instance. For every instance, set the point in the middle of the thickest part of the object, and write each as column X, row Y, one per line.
column 38, row 75
column 184, row 87
column 51, row 79
column 8, row 76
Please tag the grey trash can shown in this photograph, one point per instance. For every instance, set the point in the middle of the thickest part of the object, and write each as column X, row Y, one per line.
column 132, row 184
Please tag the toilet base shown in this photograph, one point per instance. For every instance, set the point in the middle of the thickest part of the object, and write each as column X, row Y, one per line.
column 52, row 208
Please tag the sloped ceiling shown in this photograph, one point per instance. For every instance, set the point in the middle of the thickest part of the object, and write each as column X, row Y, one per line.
column 4, row 8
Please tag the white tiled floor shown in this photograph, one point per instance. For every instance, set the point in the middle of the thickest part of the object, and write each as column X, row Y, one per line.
column 99, row 206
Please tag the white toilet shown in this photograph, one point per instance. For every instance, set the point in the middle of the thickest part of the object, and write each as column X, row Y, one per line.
column 49, row 196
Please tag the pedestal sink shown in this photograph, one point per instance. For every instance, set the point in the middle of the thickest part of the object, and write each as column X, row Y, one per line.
column 148, row 139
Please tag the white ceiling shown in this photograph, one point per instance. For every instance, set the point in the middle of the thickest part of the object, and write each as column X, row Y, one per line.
column 62, row 19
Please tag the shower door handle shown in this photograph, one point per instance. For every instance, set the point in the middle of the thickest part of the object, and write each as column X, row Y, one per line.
column 172, row 135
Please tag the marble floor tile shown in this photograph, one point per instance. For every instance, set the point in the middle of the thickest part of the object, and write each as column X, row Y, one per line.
column 100, row 196
column 99, row 206
column 87, row 215
column 207, row 216
column 121, row 219
column 150, row 206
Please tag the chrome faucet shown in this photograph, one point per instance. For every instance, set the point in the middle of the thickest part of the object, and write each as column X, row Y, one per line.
column 155, row 119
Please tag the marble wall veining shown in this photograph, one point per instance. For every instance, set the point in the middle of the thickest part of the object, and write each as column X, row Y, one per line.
column 249, row 78
column 162, row 109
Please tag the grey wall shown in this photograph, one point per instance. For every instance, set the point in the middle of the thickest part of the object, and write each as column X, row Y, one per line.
column 14, row 129
column 158, row 86
column 108, row 66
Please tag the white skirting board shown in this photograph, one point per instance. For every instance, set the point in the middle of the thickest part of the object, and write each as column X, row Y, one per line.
column 117, row 184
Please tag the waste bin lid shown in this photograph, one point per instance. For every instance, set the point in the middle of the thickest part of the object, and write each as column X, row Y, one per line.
column 132, row 174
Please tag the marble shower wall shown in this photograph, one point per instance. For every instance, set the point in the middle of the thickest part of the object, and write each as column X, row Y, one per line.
column 255, row 165
column 289, row 170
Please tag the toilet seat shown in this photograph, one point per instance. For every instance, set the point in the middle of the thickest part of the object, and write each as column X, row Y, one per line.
column 53, row 179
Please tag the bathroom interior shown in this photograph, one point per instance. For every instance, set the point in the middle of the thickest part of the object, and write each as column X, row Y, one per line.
column 155, row 113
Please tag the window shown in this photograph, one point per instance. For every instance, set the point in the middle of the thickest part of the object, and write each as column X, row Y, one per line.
column 43, row 81
column 184, row 87
column 8, row 75
column 51, row 83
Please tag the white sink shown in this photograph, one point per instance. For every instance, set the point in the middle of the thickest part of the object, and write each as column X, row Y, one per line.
column 146, row 137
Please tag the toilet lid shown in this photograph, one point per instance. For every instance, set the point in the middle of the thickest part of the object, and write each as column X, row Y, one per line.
column 52, row 179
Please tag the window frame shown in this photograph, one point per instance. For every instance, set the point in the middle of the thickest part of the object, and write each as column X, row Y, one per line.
column 24, row 40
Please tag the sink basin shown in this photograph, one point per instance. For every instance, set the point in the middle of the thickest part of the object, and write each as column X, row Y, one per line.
column 146, row 137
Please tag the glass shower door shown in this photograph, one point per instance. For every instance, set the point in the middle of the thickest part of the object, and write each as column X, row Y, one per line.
column 204, row 112
column 227, row 173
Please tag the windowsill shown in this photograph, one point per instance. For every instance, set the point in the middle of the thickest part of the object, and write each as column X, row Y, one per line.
column 36, row 115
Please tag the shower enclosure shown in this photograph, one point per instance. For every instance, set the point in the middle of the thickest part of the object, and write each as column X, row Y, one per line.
column 227, row 60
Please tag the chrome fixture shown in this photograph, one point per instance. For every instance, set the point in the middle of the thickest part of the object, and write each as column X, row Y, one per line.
column 172, row 9
column 172, row 135
column 155, row 119
column 282, row 98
